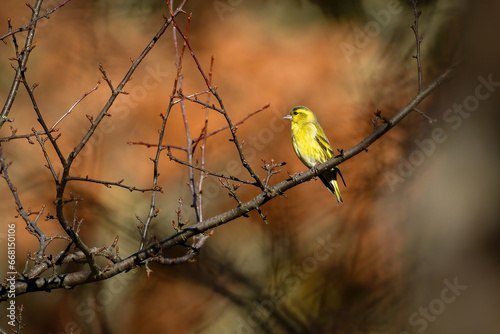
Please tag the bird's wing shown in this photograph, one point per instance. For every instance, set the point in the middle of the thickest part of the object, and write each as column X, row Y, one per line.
column 322, row 141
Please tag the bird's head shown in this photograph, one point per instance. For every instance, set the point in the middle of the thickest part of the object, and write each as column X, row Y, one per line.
column 301, row 114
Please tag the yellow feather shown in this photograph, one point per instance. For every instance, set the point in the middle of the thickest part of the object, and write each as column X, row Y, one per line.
column 312, row 146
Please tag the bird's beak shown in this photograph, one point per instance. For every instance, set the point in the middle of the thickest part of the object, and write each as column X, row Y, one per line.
column 288, row 117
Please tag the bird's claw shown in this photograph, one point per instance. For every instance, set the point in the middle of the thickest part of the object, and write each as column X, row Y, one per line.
column 315, row 168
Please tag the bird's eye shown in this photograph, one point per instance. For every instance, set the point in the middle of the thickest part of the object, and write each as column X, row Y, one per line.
column 294, row 112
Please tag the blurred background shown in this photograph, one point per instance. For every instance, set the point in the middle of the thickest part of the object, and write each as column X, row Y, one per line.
column 414, row 248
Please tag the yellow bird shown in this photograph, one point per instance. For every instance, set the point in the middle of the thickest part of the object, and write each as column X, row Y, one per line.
column 312, row 147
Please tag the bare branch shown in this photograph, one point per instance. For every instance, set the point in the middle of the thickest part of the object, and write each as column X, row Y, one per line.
column 201, row 137
column 109, row 184
column 429, row 119
column 22, row 60
column 25, row 136
column 189, row 142
column 44, row 151
column 34, row 20
column 105, row 77
column 418, row 39
column 31, row 226
column 119, row 89
column 40, row 119
column 75, row 104
column 235, row 124
column 207, row 172
column 224, row 113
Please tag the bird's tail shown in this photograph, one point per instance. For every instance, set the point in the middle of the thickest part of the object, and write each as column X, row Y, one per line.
column 329, row 178
column 336, row 191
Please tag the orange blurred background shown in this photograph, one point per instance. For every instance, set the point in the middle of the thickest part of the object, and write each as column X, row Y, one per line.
column 419, row 214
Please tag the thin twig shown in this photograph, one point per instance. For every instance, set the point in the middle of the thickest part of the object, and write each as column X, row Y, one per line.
column 109, row 184
column 105, row 77
column 191, row 96
column 235, row 124
column 47, row 158
column 75, row 104
column 153, row 212
column 203, row 145
column 261, row 214
column 232, row 188
column 205, row 171
column 179, row 55
column 418, row 39
column 431, row 120
column 205, row 105
column 22, row 60
column 201, row 137
column 119, row 89
column 25, row 136
column 76, row 257
column 31, row 226
column 33, row 21
column 224, row 113
column 41, row 120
